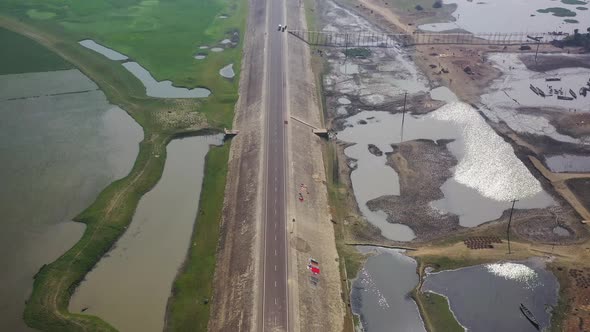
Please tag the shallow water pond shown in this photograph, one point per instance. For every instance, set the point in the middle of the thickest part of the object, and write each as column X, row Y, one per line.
column 568, row 163
column 109, row 53
column 380, row 293
column 227, row 71
column 510, row 16
column 163, row 89
column 488, row 297
column 130, row 286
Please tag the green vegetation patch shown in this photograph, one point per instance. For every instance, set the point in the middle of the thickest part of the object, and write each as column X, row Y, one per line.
column 568, row 20
column 573, row 2
column 188, row 308
column 39, row 15
column 436, row 312
column 22, row 55
column 162, row 36
column 582, row 8
column 558, row 11
column 358, row 52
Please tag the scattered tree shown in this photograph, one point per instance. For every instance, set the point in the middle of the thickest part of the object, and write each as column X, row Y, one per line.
column 437, row 4
column 418, row 7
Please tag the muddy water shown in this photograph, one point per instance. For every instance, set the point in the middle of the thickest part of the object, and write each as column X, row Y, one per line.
column 384, row 305
column 510, row 16
column 443, row 93
column 109, row 53
column 227, row 71
column 163, row 89
column 487, row 298
column 373, row 178
column 568, row 163
column 59, row 146
column 130, row 286
column 488, row 175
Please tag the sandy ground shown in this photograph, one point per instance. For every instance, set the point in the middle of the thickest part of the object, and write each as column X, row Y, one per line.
column 311, row 234
column 238, row 258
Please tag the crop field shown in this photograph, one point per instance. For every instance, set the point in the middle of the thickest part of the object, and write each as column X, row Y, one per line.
column 19, row 55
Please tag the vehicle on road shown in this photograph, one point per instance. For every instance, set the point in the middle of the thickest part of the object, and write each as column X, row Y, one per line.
column 280, row 27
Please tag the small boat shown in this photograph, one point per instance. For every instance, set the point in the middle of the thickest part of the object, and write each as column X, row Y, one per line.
column 583, row 91
column 552, row 79
column 529, row 315
column 565, row 98
column 573, row 94
column 534, row 89
column 541, row 93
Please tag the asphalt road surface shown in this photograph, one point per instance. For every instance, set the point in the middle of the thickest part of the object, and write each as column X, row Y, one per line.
column 275, row 293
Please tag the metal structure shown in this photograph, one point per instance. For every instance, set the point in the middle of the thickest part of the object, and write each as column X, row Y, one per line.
column 362, row 39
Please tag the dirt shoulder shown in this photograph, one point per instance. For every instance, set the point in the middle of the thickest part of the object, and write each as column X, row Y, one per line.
column 319, row 303
column 235, row 294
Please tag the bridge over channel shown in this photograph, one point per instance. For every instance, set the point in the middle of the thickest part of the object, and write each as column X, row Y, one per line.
column 364, row 39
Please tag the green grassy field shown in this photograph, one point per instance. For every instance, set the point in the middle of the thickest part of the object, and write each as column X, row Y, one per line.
column 436, row 313
column 162, row 37
column 20, row 55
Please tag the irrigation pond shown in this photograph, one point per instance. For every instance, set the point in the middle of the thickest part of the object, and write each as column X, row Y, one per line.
column 130, row 286
column 488, row 297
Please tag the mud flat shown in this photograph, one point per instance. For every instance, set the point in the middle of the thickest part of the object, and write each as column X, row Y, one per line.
column 513, row 88
column 371, row 177
column 380, row 292
column 487, row 297
column 423, row 167
column 61, row 143
column 510, row 16
column 487, row 175
column 130, row 286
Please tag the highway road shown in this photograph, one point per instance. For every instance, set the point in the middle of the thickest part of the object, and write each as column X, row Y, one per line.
column 275, row 315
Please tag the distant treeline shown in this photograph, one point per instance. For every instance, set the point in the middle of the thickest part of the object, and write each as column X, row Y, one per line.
column 577, row 39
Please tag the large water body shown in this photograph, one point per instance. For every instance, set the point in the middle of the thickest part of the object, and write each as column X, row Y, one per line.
column 130, row 286
column 510, row 16
column 61, row 143
column 380, row 293
column 487, row 176
column 484, row 300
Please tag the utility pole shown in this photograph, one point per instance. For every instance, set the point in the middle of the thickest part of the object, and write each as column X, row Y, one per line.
column 404, row 115
column 509, row 221
column 538, row 40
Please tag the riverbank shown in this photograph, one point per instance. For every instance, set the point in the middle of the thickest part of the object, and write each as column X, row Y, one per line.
column 107, row 218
